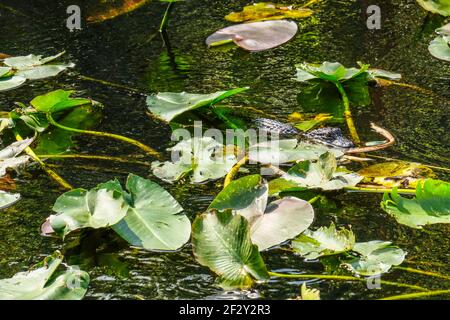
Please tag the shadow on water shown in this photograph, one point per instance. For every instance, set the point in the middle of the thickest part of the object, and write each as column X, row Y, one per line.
column 125, row 50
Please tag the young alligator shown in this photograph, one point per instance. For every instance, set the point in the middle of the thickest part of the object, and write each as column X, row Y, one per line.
column 330, row 136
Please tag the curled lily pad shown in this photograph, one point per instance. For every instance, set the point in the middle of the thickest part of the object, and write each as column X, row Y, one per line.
column 375, row 257
column 329, row 71
column 168, row 105
column 268, row 11
column 440, row 47
column 9, row 156
column 430, row 205
column 323, row 242
column 270, row 224
column 45, row 282
column 8, row 199
column 396, row 174
column 58, row 100
column 441, row 7
column 321, row 174
column 444, row 31
column 221, row 241
column 256, row 36
column 287, row 150
column 9, row 83
column 204, row 157
column 4, row 71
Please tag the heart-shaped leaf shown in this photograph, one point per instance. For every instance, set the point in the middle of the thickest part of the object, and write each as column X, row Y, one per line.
column 221, row 241
column 256, row 36
column 168, row 105
column 430, row 205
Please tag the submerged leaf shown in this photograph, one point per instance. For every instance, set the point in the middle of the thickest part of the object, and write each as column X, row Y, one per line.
column 43, row 282
column 204, row 157
column 268, row 11
column 168, row 105
column 324, row 241
column 155, row 220
column 8, row 199
column 255, row 36
column 376, row 257
column 430, row 205
column 271, row 224
column 288, row 150
column 221, row 241
column 440, row 47
column 396, row 174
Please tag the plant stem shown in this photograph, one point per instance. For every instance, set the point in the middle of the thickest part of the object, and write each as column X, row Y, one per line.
column 234, row 171
column 348, row 114
column 136, row 143
column 93, row 157
column 63, row 183
column 393, row 159
column 422, row 272
column 380, row 190
column 417, row 295
column 312, row 200
column 111, row 84
column 342, row 278
column 165, row 18
column 224, row 118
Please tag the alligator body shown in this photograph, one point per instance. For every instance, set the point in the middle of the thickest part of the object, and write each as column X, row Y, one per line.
column 330, row 136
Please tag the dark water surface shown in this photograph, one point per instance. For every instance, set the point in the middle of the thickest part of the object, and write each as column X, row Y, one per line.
column 127, row 51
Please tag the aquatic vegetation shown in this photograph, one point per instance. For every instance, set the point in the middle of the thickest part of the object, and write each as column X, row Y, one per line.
column 21, row 68
column 8, row 199
column 268, row 11
column 145, row 214
column 430, row 205
column 441, row 7
column 440, row 46
column 255, row 36
column 221, row 241
column 308, row 294
column 203, row 158
column 45, row 282
column 270, row 224
column 168, row 105
column 109, row 13
column 322, row 173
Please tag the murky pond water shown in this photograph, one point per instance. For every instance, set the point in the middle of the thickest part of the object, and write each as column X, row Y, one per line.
column 128, row 51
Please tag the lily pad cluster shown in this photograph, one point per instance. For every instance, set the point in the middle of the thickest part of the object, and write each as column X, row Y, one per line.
column 440, row 46
column 16, row 70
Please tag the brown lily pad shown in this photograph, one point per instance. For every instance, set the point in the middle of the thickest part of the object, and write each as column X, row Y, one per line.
column 255, row 36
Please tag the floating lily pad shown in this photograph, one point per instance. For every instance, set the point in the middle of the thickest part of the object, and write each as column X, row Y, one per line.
column 375, row 257
column 8, row 199
column 440, row 47
column 288, row 150
column 56, row 101
column 9, row 156
column 9, row 83
column 430, row 205
column 45, row 282
column 270, row 224
column 256, row 36
column 441, row 7
column 4, row 71
column 221, row 241
column 168, row 105
column 204, row 157
column 323, row 242
column 321, row 174
column 329, row 71
column 268, row 11
column 396, row 174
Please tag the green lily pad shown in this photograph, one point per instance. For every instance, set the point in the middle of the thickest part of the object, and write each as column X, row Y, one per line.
column 270, row 224
column 268, row 11
column 204, row 158
column 221, row 241
column 287, row 150
column 100, row 207
column 56, row 101
column 441, row 7
column 323, row 242
column 430, row 205
column 169, row 105
column 44, row 282
column 376, row 257
column 329, row 71
column 440, row 47
column 8, row 199
column 155, row 220
column 321, row 174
